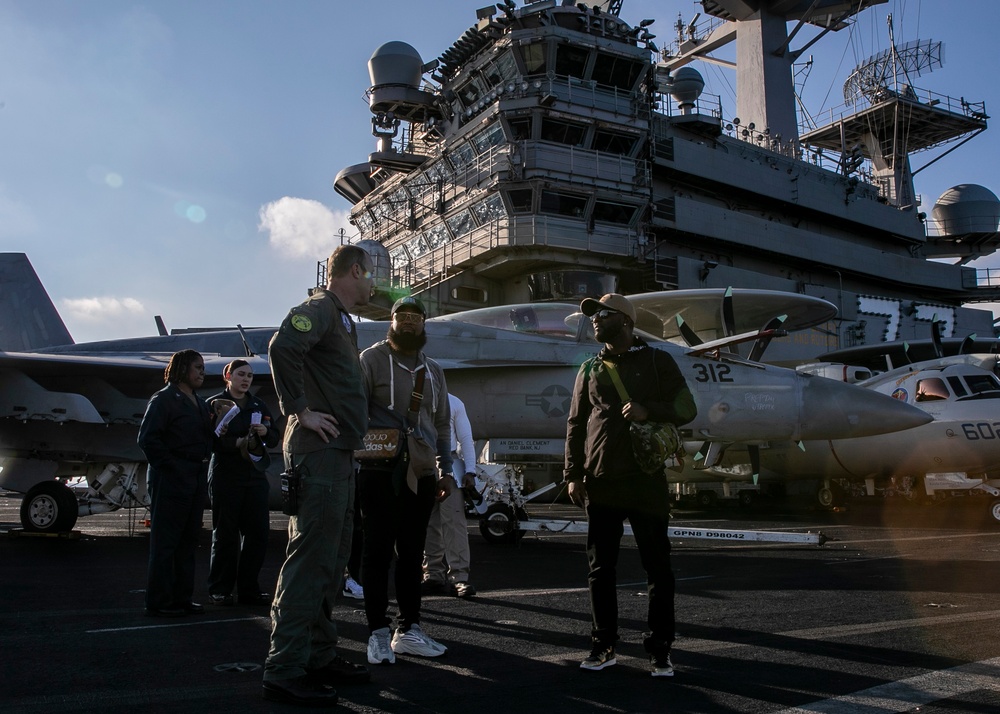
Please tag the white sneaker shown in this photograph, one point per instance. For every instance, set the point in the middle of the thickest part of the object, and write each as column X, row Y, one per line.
column 380, row 651
column 353, row 589
column 416, row 642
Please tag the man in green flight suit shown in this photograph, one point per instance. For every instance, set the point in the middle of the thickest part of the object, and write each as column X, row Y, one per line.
column 317, row 375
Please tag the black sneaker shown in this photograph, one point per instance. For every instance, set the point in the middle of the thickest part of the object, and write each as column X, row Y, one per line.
column 600, row 657
column 339, row 671
column 661, row 664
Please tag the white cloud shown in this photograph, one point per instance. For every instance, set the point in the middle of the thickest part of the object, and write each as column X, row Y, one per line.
column 301, row 227
column 101, row 309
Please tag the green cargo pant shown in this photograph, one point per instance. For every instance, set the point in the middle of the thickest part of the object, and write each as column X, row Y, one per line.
column 303, row 635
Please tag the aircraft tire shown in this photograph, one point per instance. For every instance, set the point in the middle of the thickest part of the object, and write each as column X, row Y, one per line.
column 49, row 507
column 825, row 497
column 995, row 512
column 498, row 525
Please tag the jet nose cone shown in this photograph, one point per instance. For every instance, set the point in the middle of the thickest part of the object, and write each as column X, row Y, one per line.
column 835, row 410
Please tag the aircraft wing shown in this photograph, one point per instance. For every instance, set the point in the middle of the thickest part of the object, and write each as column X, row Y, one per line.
column 702, row 311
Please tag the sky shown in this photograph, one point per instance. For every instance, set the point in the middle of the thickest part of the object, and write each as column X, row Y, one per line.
column 177, row 157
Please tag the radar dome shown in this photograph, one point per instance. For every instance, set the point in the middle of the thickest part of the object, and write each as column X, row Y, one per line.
column 686, row 85
column 395, row 63
column 967, row 208
column 380, row 259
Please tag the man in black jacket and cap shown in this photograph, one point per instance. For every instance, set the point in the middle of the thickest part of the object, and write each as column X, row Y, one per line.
column 603, row 475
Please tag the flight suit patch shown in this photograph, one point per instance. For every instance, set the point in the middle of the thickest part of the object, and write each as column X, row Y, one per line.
column 301, row 323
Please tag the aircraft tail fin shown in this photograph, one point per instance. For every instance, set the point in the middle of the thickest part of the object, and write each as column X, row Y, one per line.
column 28, row 319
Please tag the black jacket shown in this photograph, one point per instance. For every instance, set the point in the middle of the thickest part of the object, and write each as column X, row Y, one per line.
column 227, row 458
column 598, row 444
column 176, row 433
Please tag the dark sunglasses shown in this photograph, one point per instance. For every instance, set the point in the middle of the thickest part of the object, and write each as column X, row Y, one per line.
column 605, row 314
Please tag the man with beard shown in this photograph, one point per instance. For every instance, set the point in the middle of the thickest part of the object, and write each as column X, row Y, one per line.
column 395, row 509
column 603, row 475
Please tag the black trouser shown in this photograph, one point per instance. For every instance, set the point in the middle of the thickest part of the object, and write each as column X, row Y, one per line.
column 240, row 528
column 357, row 542
column 393, row 523
column 644, row 501
column 177, row 509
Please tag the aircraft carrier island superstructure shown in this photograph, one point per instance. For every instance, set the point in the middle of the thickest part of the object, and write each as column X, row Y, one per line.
column 554, row 152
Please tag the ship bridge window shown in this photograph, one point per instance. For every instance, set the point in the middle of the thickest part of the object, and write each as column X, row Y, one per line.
column 440, row 170
column 399, row 257
column 563, row 204
column 932, row 390
column 500, row 70
column 520, row 200
column 491, row 208
column 982, row 385
column 614, row 142
column 471, row 91
column 520, row 128
column 608, row 212
column 489, row 137
column 614, row 71
column 363, row 221
column 563, row 132
column 460, row 224
column 416, row 247
column 533, row 56
column 462, row 155
column 571, row 61
column 436, row 236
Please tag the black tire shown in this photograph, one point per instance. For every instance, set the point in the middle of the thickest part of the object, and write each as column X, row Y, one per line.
column 498, row 525
column 825, row 497
column 747, row 498
column 706, row 499
column 49, row 507
column 994, row 512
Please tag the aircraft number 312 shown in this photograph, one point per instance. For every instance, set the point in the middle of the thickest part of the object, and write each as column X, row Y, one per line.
column 712, row 373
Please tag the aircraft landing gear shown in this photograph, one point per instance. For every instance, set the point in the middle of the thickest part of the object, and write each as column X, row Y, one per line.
column 49, row 507
column 995, row 511
column 829, row 495
column 498, row 524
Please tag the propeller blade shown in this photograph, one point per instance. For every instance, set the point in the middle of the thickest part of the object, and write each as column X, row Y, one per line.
column 967, row 345
column 936, row 337
column 728, row 317
column 906, row 353
column 687, row 333
column 757, row 351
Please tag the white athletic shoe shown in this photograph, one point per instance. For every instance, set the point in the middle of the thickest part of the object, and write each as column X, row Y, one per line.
column 416, row 642
column 380, row 651
column 353, row 589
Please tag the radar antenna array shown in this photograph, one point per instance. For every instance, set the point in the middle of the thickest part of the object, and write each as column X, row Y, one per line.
column 882, row 73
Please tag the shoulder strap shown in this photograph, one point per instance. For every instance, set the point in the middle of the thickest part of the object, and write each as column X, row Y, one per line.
column 416, row 396
column 613, row 372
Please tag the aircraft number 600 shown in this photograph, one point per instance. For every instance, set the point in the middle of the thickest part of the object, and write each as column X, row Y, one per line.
column 981, row 430
column 712, row 373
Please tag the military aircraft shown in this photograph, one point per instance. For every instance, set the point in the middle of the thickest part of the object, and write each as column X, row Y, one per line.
column 957, row 452
column 71, row 411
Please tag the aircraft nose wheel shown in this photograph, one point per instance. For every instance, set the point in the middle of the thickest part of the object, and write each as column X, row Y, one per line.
column 995, row 511
column 49, row 507
column 498, row 524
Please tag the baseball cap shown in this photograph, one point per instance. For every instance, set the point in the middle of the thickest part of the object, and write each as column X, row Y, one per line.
column 408, row 301
column 611, row 301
